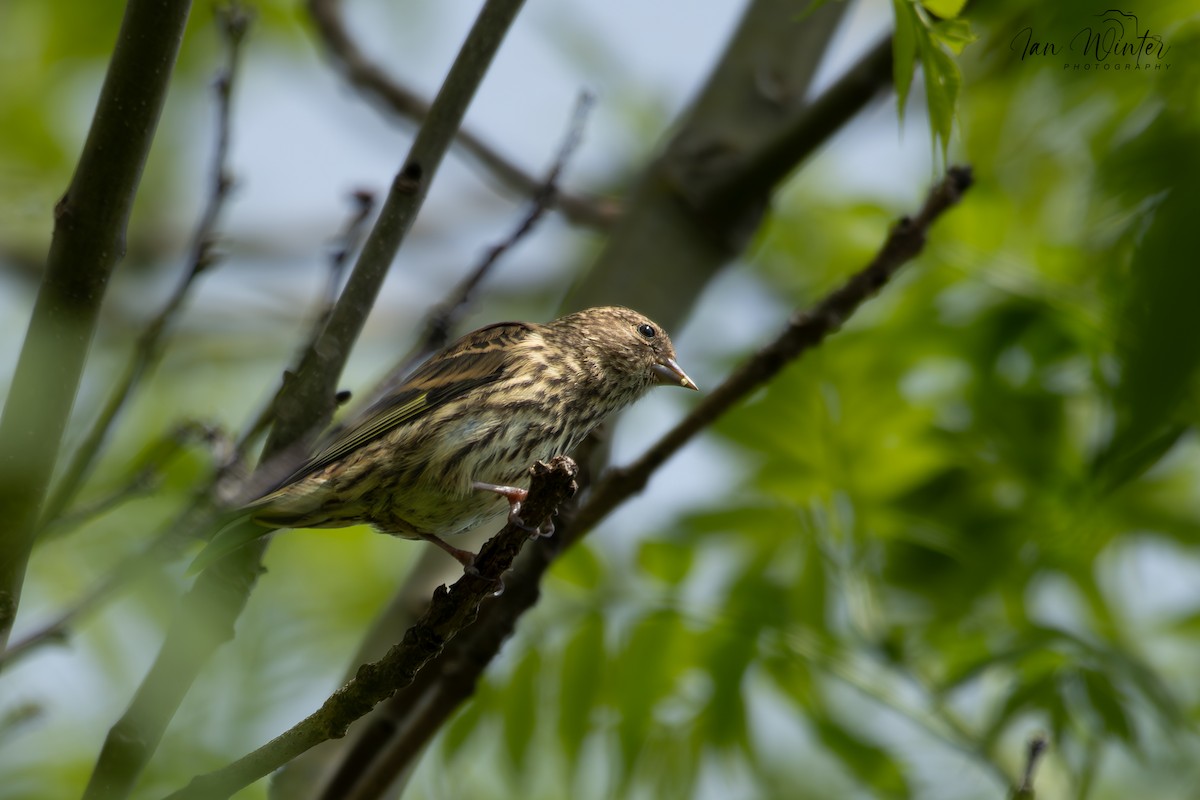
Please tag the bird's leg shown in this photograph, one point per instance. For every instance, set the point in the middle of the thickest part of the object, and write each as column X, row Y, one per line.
column 515, row 495
column 464, row 557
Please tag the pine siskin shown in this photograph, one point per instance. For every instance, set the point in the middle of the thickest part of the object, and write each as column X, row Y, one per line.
column 444, row 451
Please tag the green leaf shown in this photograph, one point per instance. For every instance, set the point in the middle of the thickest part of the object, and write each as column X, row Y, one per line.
column 649, row 665
column 580, row 567
column 583, row 672
column 946, row 9
column 667, row 561
column 755, row 604
column 869, row 763
column 904, row 51
column 942, row 82
column 520, row 699
column 1108, row 702
column 955, row 34
column 1157, row 345
column 460, row 728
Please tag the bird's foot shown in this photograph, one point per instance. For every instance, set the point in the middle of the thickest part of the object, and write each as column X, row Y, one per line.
column 515, row 495
column 464, row 557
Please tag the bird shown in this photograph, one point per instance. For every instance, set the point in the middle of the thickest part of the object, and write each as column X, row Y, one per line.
column 449, row 448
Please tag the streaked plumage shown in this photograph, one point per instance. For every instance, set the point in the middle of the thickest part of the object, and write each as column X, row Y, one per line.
column 482, row 410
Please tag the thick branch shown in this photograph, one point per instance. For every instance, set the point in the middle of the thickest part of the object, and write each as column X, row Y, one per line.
column 373, row 80
column 450, row 611
column 89, row 240
column 757, row 175
column 667, row 246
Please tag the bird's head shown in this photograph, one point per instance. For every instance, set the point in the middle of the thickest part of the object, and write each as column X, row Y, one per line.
column 633, row 349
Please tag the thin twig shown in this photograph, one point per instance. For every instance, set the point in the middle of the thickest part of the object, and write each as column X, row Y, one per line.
column 450, row 611
column 233, row 22
column 347, row 244
column 146, row 474
column 462, row 663
column 1033, row 756
column 371, row 79
column 441, row 320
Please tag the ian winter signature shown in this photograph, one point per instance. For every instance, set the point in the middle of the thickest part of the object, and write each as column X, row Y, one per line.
column 1115, row 43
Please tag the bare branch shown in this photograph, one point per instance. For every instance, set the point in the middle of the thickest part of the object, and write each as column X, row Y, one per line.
column 450, row 611
column 668, row 244
column 373, row 81
column 757, row 175
column 348, row 243
column 313, row 385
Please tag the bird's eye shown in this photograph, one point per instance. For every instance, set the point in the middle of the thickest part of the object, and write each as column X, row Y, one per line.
column 647, row 331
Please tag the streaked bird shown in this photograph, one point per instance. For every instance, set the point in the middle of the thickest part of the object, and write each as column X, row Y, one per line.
column 450, row 447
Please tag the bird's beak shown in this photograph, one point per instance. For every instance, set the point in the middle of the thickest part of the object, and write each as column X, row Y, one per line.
column 669, row 372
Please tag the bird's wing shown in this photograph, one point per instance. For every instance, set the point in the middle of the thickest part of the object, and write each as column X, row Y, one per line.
column 479, row 358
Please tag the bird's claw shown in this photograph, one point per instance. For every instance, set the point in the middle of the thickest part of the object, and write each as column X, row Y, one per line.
column 535, row 531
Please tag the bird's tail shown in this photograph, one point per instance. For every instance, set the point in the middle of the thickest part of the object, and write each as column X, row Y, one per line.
column 234, row 536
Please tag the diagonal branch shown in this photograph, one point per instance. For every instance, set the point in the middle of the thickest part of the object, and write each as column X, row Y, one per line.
column 346, row 245
column 450, row 611
column 441, row 320
column 765, row 167
column 459, row 667
column 313, row 386
column 373, row 81
column 806, row 330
